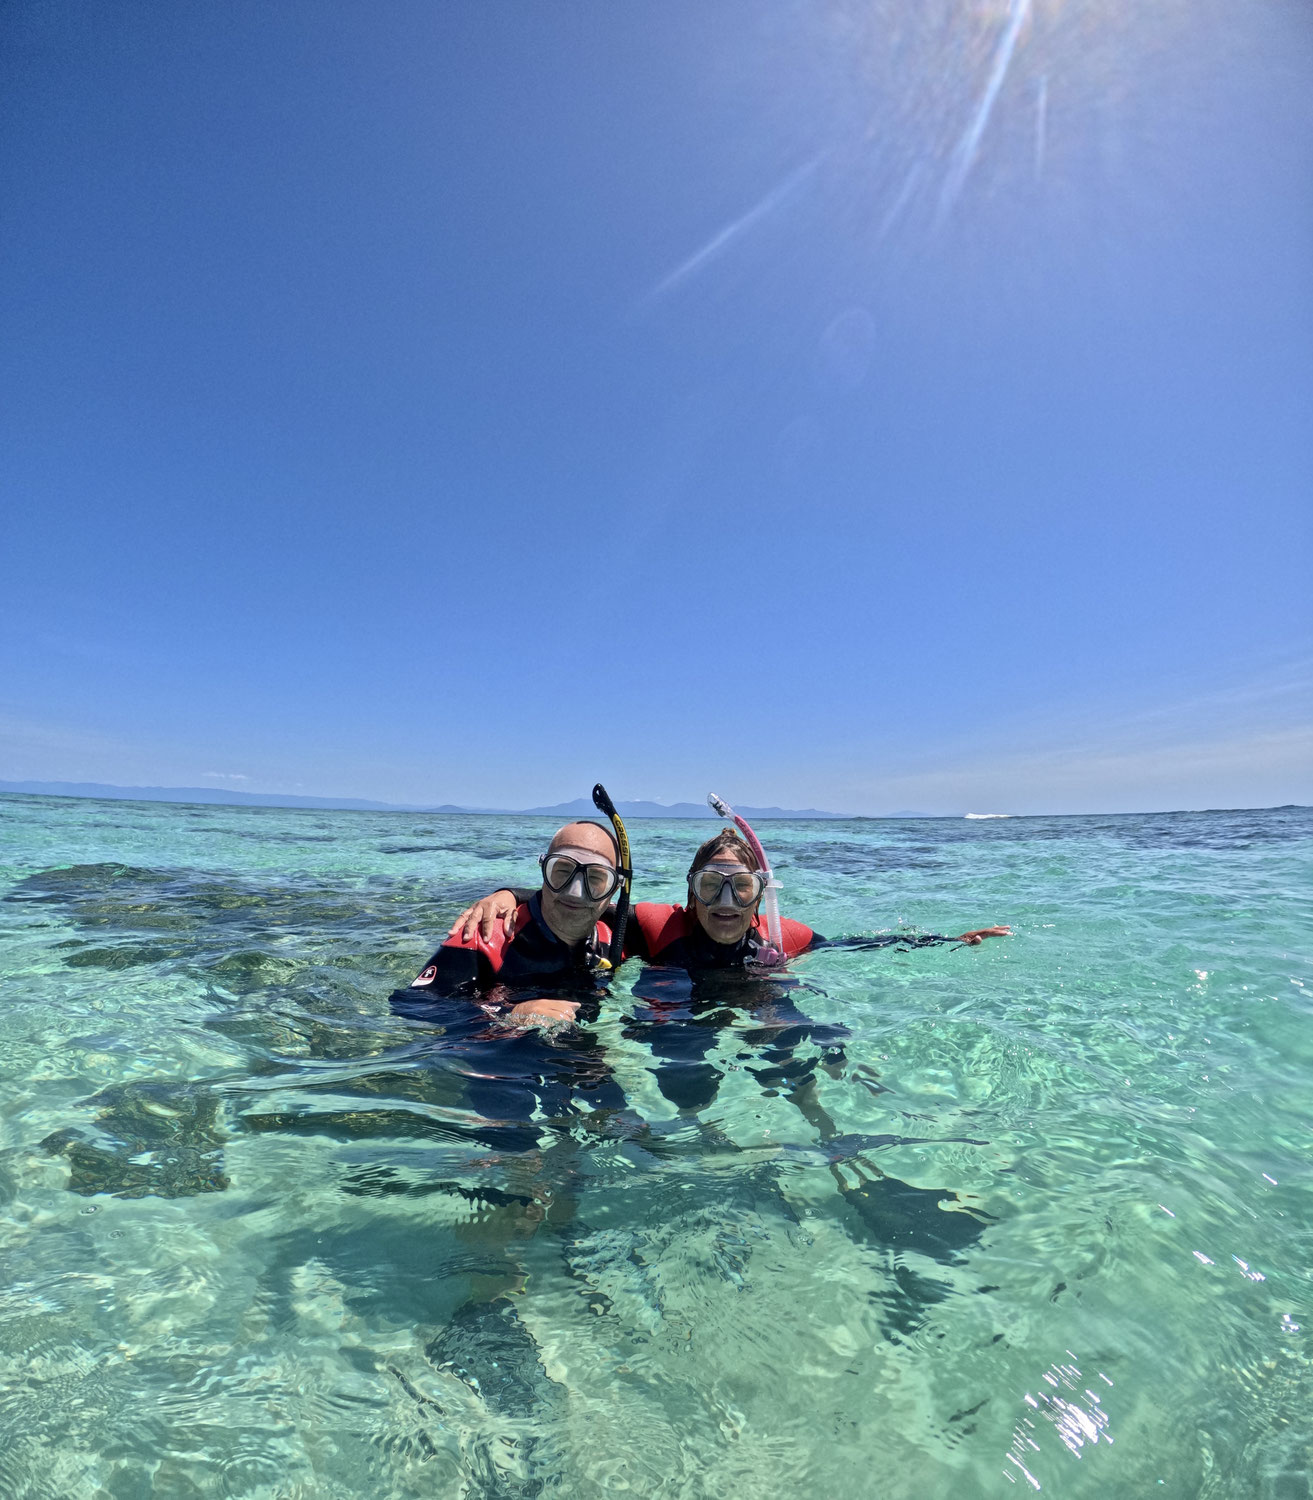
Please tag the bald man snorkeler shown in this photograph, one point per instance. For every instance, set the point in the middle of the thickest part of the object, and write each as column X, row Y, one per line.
column 559, row 939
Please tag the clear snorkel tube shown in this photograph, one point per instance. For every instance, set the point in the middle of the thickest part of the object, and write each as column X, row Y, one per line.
column 769, row 956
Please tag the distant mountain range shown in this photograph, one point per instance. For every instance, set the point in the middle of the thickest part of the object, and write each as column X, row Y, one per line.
column 580, row 807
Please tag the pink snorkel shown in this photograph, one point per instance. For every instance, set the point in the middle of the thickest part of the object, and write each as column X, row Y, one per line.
column 771, row 954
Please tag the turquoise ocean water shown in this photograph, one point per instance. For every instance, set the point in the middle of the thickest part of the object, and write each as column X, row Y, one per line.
column 1043, row 1224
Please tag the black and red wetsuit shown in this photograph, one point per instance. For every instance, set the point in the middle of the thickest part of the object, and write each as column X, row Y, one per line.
column 678, row 1017
column 663, row 934
column 535, row 956
column 515, row 1077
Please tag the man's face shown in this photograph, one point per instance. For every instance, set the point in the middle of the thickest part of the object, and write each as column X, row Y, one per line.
column 572, row 910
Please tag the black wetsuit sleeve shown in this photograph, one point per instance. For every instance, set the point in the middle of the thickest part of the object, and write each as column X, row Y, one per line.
column 452, row 989
column 521, row 893
column 904, row 940
column 455, row 967
column 452, row 973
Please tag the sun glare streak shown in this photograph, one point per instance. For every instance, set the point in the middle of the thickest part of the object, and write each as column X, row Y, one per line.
column 717, row 244
column 895, row 209
column 1041, row 123
column 969, row 146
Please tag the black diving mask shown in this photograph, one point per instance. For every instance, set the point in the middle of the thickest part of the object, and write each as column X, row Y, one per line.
column 745, row 886
column 599, row 880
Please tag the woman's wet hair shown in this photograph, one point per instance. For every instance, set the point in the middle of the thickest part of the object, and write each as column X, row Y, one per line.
column 727, row 841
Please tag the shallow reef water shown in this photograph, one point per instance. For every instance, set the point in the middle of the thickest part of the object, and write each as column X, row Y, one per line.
column 1033, row 1216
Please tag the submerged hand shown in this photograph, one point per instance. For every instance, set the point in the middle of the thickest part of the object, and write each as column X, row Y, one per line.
column 484, row 916
column 542, row 1012
column 979, row 934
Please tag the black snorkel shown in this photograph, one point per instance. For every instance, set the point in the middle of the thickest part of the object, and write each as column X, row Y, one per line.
column 604, row 804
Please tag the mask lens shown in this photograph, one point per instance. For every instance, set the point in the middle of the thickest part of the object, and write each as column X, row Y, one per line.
column 601, row 880
column 744, row 885
column 558, row 871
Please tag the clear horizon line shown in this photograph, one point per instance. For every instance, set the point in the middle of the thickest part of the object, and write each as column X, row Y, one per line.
column 298, row 801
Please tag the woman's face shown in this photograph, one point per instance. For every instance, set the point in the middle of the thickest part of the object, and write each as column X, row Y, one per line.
column 722, row 921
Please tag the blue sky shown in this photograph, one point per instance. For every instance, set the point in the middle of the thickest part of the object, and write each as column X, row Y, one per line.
column 857, row 406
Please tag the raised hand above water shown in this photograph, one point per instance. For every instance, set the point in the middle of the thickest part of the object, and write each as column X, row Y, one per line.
column 484, row 915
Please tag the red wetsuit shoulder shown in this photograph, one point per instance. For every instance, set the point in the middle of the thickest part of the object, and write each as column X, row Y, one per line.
column 659, row 925
column 492, row 949
column 798, row 937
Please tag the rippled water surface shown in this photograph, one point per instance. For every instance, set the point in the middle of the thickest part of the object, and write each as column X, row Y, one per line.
column 948, row 1222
